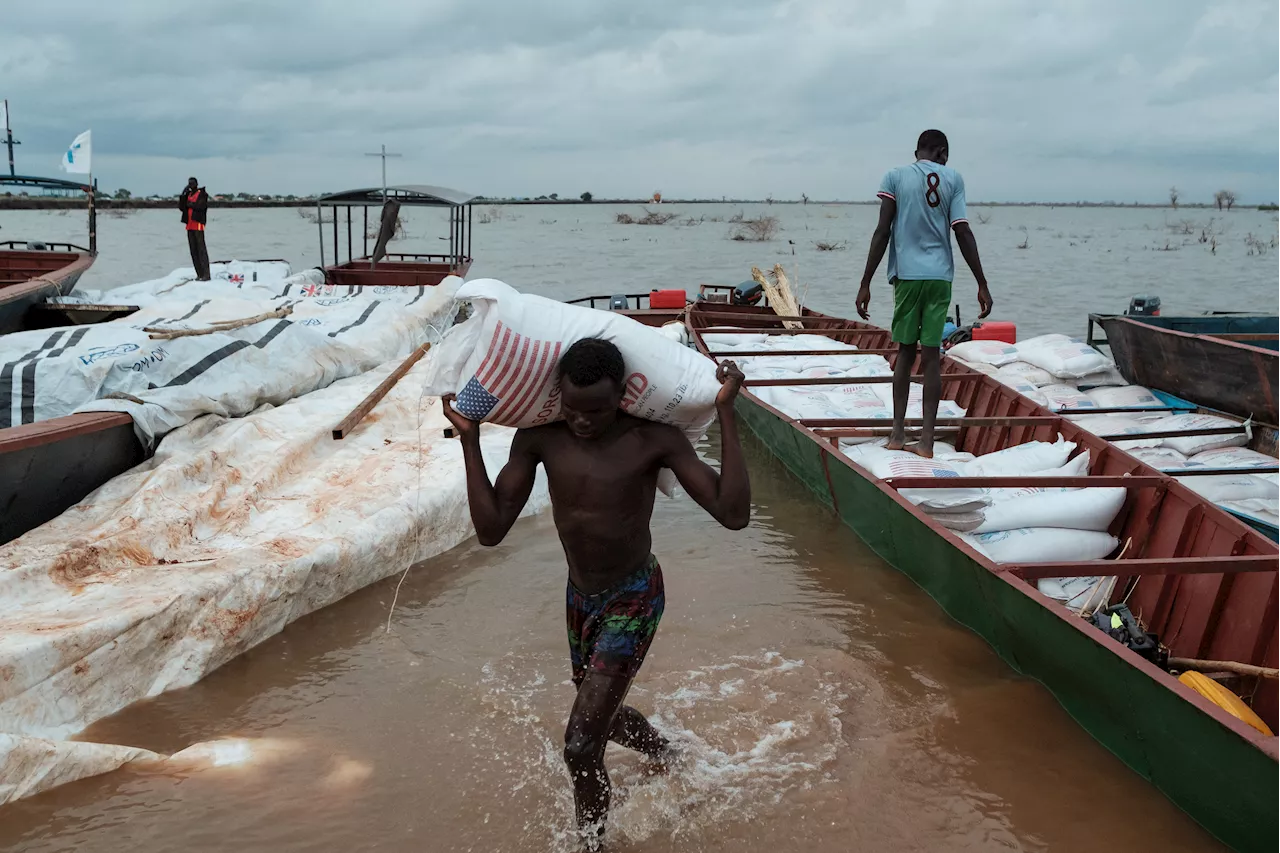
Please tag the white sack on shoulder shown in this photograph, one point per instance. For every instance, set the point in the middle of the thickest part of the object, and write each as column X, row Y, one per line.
column 502, row 363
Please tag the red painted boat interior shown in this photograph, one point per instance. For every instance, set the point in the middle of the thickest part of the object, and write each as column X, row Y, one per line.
column 400, row 273
column 1201, row 605
column 17, row 267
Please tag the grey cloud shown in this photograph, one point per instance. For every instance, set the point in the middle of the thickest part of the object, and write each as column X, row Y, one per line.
column 696, row 98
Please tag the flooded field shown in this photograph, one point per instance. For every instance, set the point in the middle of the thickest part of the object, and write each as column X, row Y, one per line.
column 825, row 704
column 1048, row 266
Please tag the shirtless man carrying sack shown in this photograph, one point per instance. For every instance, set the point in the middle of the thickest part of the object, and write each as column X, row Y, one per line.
column 602, row 468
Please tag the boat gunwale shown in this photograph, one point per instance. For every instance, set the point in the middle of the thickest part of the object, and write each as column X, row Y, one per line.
column 76, row 265
column 1100, row 318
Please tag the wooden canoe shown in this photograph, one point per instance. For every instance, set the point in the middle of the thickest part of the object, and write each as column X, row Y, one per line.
column 30, row 277
column 1202, row 580
column 1224, row 361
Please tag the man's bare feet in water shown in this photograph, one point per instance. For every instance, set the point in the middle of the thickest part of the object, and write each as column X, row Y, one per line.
column 671, row 758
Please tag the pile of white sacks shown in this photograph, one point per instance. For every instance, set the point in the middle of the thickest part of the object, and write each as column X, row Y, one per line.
column 1067, row 375
column 859, row 400
column 1020, row 525
column 1013, row 525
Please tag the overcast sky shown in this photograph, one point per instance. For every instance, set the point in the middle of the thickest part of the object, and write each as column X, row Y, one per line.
column 1054, row 101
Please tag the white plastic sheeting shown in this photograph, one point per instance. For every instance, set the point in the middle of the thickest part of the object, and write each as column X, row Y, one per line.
column 164, row 384
column 234, row 529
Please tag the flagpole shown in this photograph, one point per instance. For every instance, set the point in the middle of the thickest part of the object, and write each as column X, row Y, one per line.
column 93, row 215
column 8, row 138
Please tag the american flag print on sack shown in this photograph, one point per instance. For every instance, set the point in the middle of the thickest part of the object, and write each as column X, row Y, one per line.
column 919, row 468
column 505, row 387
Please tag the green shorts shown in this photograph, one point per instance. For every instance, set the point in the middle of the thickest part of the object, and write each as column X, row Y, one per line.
column 920, row 311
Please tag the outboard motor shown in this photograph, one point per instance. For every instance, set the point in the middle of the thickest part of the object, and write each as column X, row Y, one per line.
column 36, row 246
column 1144, row 306
column 748, row 293
column 618, row 302
column 1119, row 623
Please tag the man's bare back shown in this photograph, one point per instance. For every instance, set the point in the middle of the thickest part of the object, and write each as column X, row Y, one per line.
column 602, row 467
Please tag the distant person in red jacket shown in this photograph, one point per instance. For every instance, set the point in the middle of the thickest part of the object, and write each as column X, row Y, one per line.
column 194, row 204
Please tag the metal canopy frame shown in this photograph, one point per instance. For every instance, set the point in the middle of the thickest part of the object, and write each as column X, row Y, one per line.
column 414, row 195
column 61, row 184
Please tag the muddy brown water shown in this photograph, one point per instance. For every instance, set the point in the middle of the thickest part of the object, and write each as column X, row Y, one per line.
column 825, row 704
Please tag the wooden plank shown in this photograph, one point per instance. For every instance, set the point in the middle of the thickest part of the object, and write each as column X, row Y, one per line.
column 1172, row 433
column 751, row 315
column 744, row 353
column 1012, row 482
column 886, row 429
column 1206, row 472
column 1028, row 420
column 856, row 380
column 1125, row 410
column 766, row 331
column 1144, row 566
column 366, row 405
column 57, row 429
column 63, row 307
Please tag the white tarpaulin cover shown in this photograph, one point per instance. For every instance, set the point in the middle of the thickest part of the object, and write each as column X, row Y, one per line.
column 234, row 529
column 330, row 333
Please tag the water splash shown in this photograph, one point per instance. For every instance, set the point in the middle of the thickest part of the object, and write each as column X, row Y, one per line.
column 751, row 730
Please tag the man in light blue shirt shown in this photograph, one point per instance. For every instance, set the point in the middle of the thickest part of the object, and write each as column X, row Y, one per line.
column 920, row 205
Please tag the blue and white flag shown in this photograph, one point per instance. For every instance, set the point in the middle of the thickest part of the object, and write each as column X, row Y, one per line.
column 78, row 156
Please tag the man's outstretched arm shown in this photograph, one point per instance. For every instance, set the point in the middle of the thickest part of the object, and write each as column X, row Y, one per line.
column 969, row 250
column 879, row 245
column 494, row 506
column 727, row 495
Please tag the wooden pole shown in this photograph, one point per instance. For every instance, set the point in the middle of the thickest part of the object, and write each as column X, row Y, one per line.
column 160, row 333
column 1223, row 666
column 348, row 423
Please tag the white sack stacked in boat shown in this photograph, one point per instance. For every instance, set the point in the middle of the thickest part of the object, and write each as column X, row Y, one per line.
column 1070, row 509
column 1036, row 376
column 994, row 353
column 1107, row 378
column 1023, row 387
column 1077, row 467
column 1118, row 424
column 1066, row 398
column 1062, row 356
column 1161, row 458
column 1043, row 545
column 1021, row 459
column 1233, row 457
column 1190, row 445
column 676, row 331
column 1230, row 487
column 915, row 401
column 885, row 464
column 1125, row 397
